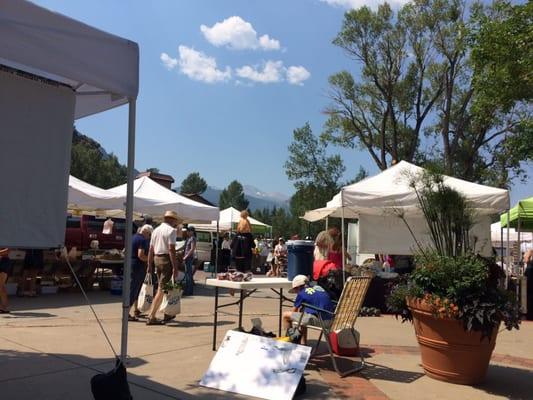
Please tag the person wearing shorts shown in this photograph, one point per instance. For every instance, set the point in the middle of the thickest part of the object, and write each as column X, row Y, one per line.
column 162, row 255
column 312, row 295
column 5, row 270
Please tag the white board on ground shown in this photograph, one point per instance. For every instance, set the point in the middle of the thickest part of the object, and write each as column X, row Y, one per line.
column 257, row 366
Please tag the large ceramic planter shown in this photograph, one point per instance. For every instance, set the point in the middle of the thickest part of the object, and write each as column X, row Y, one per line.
column 449, row 353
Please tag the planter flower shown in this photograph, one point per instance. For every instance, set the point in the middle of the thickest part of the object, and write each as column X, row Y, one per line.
column 452, row 297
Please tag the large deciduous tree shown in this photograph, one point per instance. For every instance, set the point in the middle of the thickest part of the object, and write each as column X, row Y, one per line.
column 316, row 175
column 417, row 94
column 193, row 184
column 233, row 196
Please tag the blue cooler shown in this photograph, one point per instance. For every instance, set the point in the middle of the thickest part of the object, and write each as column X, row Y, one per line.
column 116, row 285
column 300, row 260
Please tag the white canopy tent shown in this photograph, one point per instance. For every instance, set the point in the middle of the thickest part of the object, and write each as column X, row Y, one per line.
column 102, row 70
column 86, row 197
column 228, row 220
column 152, row 198
column 376, row 200
column 499, row 234
column 390, row 190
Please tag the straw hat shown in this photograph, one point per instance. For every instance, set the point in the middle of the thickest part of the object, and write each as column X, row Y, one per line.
column 171, row 214
column 298, row 280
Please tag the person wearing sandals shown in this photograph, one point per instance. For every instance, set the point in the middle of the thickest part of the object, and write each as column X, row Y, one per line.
column 162, row 255
column 139, row 257
column 5, row 267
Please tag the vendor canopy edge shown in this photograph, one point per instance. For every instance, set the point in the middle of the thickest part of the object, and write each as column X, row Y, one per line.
column 390, row 190
column 523, row 211
column 152, row 198
column 103, row 69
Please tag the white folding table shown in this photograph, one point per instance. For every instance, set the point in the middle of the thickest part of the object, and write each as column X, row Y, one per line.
column 275, row 284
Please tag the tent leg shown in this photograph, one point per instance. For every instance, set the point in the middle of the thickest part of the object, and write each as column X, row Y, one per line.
column 342, row 237
column 216, row 247
column 129, row 231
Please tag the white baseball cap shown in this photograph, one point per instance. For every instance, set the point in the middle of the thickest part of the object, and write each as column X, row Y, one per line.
column 298, row 280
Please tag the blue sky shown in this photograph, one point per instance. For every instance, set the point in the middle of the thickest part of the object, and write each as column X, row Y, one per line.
column 217, row 98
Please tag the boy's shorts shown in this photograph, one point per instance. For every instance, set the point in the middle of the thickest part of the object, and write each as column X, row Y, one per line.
column 310, row 319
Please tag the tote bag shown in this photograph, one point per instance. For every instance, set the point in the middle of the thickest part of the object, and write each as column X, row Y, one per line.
column 146, row 296
column 171, row 304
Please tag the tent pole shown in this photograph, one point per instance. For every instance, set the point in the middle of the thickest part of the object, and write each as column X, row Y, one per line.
column 129, row 231
column 327, row 222
column 518, row 238
column 342, row 237
column 509, row 266
column 216, row 248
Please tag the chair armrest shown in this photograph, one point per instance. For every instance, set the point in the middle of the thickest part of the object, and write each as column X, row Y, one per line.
column 318, row 308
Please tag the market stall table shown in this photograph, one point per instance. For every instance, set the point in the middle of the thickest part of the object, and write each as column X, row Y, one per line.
column 275, row 284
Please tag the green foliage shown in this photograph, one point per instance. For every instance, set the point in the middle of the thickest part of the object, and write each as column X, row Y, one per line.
column 447, row 214
column 502, row 54
column 449, row 277
column 170, row 285
column 463, row 287
column 316, row 177
column 437, row 84
column 193, row 184
column 90, row 163
column 308, row 162
column 233, row 196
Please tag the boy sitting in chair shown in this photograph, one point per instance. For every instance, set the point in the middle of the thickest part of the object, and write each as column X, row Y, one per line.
column 309, row 302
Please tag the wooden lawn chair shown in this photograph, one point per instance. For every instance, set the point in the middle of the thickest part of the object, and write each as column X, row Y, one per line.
column 344, row 317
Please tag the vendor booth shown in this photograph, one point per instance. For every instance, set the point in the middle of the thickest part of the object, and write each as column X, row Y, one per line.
column 229, row 219
column 152, row 198
column 388, row 214
column 54, row 70
column 378, row 201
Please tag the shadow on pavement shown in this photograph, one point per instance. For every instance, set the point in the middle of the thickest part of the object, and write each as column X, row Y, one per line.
column 508, row 382
column 190, row 324
column 22, row 314
column 381, row 372
column 33, row 375
column 30, row 375
column 61, row 300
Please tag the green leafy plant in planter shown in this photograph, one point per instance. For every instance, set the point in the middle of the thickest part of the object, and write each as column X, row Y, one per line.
column 452, row 287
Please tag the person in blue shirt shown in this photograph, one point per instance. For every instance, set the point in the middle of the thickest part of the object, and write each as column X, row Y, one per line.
column 312, row 295
column 139, row 257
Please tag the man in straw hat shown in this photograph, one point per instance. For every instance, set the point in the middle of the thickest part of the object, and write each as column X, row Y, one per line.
column 313, row 295
column 162, row 254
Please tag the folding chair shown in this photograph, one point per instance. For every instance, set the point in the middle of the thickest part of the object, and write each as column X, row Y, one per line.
column 344, row 317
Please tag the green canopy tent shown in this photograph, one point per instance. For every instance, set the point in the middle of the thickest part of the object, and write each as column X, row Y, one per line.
column 520, row 216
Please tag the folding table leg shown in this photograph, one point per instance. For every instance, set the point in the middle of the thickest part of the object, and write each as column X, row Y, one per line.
column 280, row 310
column 240, row 308
column 216, row 320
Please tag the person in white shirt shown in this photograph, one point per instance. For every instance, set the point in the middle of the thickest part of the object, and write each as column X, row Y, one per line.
column 225, row 253
column 162, row 255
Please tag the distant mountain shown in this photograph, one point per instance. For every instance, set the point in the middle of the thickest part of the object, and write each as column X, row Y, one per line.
column 257, row 198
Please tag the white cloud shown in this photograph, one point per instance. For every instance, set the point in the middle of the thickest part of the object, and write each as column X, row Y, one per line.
column 297, row 74
column 372, row 4
column 236, row 33
column 168, row 62
column 271, row 72
column 200, row 67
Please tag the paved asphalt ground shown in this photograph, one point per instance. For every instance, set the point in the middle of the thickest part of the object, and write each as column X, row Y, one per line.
column 50, row 347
